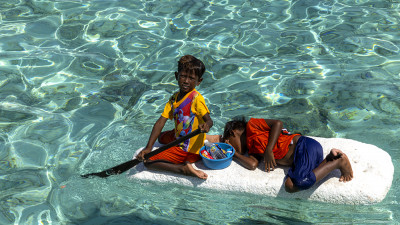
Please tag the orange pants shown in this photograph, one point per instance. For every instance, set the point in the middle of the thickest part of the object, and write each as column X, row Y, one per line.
column 174, row 154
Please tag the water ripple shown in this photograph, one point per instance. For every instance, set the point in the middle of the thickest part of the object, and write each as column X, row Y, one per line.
column 82, row 83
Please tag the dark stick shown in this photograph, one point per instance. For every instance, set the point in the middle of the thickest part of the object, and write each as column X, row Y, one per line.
column 131, row 163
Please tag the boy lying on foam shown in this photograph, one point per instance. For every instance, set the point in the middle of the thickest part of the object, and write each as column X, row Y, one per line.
column 266, row 140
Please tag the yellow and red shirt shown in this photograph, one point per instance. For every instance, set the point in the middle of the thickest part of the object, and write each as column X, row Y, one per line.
column 188, row 114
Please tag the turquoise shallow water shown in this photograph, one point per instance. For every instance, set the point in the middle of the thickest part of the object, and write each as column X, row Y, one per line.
column 82, row 82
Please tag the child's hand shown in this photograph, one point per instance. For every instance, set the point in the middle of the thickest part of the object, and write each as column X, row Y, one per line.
column 204, row 128
column 269, row 161
column 141, row 154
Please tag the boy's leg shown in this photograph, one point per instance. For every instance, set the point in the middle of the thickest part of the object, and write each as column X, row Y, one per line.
column 166, row 137
column 213, row 138
column 289, row 186
column 327, row 166
column 185, row 168
column 307, row 156
column 175, row 160
column 342, row 163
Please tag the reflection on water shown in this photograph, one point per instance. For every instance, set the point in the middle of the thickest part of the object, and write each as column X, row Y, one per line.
column 82, row 82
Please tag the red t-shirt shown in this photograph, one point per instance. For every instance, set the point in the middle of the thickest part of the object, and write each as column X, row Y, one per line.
column 257, row 133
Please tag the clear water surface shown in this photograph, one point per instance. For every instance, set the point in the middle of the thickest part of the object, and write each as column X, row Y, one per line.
column 82, row 82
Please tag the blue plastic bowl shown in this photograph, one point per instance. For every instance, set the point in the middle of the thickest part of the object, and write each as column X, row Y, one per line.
column 217, row 164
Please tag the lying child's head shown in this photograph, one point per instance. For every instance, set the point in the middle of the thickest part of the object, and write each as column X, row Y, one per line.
column 191, row 65
column 235, row 134
column 238, row 123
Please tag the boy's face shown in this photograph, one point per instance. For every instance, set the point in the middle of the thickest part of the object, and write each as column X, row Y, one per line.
column 187, row 81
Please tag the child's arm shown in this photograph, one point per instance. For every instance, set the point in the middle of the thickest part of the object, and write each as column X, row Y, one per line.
column 249, row 162
column 156, row 131
column 205, row 127
column 276, row 128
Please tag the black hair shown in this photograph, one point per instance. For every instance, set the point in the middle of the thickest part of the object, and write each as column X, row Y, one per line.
column 238, row 123
column 191, row 64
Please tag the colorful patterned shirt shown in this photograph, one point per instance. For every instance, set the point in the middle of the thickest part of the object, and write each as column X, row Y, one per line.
column 188, row 114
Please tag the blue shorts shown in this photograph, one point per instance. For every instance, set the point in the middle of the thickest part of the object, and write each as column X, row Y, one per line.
column 308, row 155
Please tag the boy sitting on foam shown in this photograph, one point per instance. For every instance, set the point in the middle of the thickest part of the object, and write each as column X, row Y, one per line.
column 189, row 111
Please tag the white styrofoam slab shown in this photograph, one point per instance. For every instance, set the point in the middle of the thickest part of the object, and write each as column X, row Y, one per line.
column 372, row 167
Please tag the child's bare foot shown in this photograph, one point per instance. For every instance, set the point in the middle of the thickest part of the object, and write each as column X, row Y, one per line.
column 344, row 165
column 189, row 170
column 334, row 154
